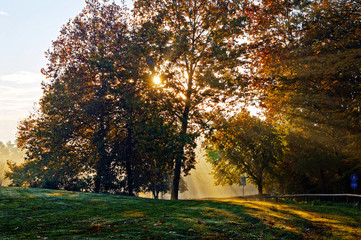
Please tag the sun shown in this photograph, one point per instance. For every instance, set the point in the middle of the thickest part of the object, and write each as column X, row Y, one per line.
column 157, row 80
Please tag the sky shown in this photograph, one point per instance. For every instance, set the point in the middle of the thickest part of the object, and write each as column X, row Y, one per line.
column 27, row 28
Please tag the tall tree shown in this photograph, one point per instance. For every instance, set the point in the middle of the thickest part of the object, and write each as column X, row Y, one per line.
column 100, row 114
column 201, row 56
column 86, row 63
column 88, row 71
column 306, row 56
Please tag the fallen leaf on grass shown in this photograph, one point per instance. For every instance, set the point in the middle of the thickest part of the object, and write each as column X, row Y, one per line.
column 200, row 222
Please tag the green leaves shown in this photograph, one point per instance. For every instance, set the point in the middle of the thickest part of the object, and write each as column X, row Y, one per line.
column 243, row 145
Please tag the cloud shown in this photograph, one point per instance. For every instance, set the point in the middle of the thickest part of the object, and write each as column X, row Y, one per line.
column 22, row 77
column 4, row 13
column 18, row 93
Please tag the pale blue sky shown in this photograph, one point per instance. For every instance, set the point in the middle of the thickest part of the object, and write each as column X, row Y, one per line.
column 27, row 28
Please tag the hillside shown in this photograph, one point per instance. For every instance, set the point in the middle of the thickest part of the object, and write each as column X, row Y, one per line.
column 46, row 214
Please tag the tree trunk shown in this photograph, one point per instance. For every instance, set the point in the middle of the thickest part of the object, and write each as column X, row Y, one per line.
column 128, row 159
column 100, row 179
column 180, row 152
column 176, row 177
column 260, row 189
column 155, row 193
column 260, row 186
column 323, row 180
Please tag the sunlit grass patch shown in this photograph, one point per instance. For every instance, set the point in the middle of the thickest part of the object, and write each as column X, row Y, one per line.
column 133, row 214
column 209, row 212
column 310, row 221
column 63, row 194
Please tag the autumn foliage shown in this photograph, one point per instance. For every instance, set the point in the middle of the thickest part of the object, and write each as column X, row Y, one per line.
column 103, row 125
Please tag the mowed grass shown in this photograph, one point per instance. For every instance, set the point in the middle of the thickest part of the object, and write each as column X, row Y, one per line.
column 27, row 213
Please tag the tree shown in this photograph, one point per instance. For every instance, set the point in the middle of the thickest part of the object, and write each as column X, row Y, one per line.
column 86, row 64
column 51, row 160
column 244, row 145
column 200, row 59
column 305, row 57
column 100, row 114
column 156, row 141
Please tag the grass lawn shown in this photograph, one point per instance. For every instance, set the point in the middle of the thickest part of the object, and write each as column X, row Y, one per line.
column 27, row 213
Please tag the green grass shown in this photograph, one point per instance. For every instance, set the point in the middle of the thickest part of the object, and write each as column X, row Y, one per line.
column 27, row 213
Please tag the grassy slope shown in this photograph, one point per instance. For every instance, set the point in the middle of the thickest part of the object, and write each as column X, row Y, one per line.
column 46, row 214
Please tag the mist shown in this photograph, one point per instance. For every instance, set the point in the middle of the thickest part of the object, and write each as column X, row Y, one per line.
column 200, row 182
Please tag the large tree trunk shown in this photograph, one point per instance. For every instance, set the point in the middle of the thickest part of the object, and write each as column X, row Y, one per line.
column 260, row 186
column 180, row 150
column 260, row 189
column 176, row 177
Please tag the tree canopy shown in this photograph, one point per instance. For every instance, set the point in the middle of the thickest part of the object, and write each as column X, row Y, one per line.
column 98, row 108
column 244, row 146
column 103, row 125
column 201, row 60
column 306, row 59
